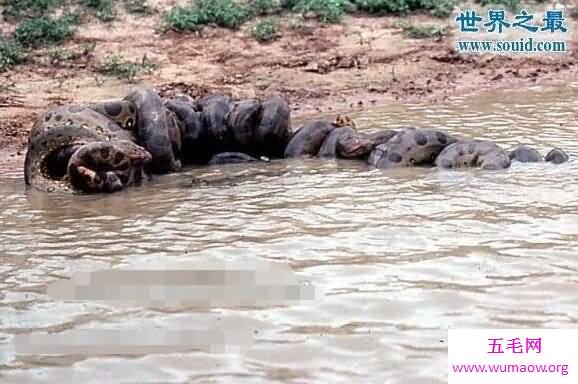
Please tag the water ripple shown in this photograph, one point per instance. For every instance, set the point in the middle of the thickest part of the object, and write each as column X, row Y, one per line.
column 396, row 257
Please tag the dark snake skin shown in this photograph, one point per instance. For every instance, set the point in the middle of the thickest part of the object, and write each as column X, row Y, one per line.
column 231, row 158
column 107, row 166
column 557, row 156
column 308, row 140
column 274, row 131
column 525, row 154
column 158, row 130
column 410, row 147
column 346, row 143
column 473, row 153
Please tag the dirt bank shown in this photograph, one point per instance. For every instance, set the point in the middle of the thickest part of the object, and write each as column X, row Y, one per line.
column 352, row 65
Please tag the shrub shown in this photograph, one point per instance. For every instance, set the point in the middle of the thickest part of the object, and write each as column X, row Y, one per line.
column 44, row 31
column 440, row 8
column 229, row 14
column 266, row 30
column 184, row 19
column 382, row 6
column 510, row 4
column 117, row 65
column 224, row 13
column 300, row 26
column 27, row 8
column 326, row 11
column 288, row 4
column 58, row 56
column 104, row 9
column 141, row 7
column 265, row 7
column 10, row 53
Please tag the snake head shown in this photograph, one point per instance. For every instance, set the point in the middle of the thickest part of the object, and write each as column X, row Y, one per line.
column 107, row 166
column 97, row 181
column 344, row 121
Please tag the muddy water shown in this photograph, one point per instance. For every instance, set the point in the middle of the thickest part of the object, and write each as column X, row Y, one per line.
column 390, row 260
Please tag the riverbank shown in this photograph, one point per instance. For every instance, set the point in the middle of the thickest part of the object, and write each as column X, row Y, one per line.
column 324, row 69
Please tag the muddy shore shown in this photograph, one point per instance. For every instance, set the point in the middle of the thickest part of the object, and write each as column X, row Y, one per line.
column 320, row 69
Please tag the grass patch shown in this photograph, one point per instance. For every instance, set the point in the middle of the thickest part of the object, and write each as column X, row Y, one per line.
column 140, row 7
column 122, row 68
column 382, row 6
column 103, row 9
column 424, row 31
column 10, row 53
column 513, row 5
column 183, row 19
column 59, row 56
column 44, row 31
column 266, row 30
column 17, row 9
column 224, row 13
column 326, row 11
column 301, row 26
column 231, row 14
column 265, row 7
column 439, row 8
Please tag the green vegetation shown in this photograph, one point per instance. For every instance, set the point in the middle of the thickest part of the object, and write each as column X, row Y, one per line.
column 104, row 9
column 326, row 11
column 510, row 4
column 122, row 68
column 231, row 14
column 424, row 31
column 35, row 28
column 41, row 23
column 141, row 7
column 265, row 7
column 513, row 5
column 17, row 9
column 300, row 26
column 183, row 19
column 44, row 31
column 10, row 53
column 224, row 13
column 59, row 56
column 382, row 6
column 439, row 8
column 266, row 30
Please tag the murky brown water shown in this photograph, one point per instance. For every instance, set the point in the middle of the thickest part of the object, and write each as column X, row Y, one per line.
column 395, row 258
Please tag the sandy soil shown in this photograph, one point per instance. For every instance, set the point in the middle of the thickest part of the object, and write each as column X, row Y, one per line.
column 334, row 68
